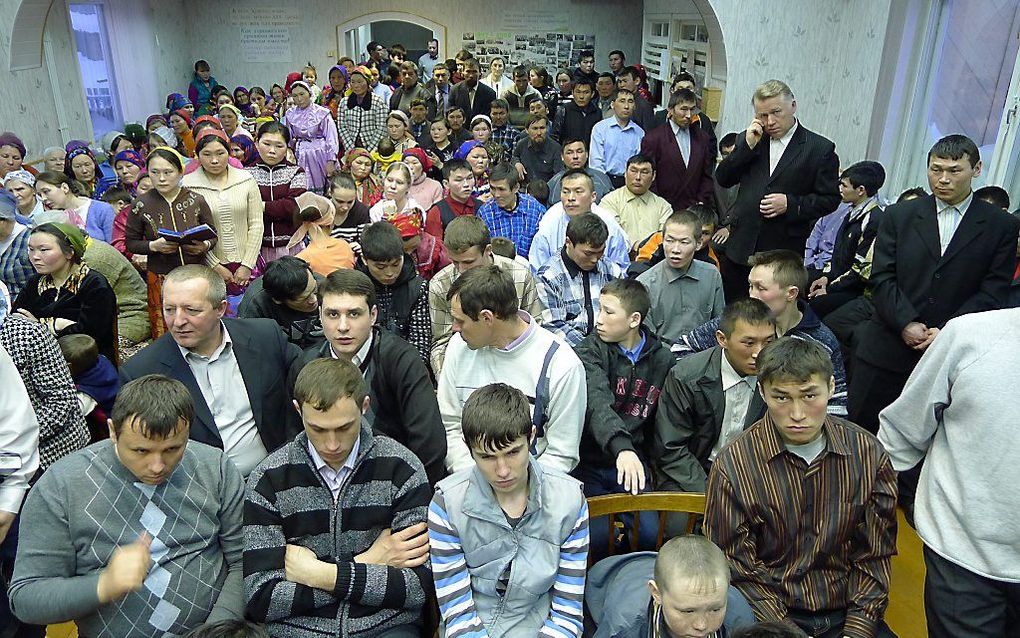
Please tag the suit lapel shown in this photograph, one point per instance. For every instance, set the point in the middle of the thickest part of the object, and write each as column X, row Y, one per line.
column 927, row 227
column 246, row 354
column 711, row 386
column 203, row 428
column 792, row 152
column 969, row 229
column 755, row 408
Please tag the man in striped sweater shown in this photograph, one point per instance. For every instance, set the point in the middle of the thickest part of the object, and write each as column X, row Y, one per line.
column 319, row 558
column 522, row 528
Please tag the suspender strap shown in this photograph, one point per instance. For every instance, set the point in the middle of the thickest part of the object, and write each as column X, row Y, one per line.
column 539, row 418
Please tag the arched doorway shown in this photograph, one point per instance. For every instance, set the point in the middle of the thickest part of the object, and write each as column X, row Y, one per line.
column 389, row 27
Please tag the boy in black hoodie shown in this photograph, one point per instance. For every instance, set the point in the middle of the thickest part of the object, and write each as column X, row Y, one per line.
column 402, row 295
column 626, row 366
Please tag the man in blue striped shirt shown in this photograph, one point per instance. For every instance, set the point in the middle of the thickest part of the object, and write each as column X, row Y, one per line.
column 523, row 529
column 510, row 213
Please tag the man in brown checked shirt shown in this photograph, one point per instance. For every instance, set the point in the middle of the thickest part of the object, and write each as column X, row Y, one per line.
column 804, row 504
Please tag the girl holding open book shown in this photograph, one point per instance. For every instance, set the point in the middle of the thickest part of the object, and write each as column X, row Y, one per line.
column 158, row 217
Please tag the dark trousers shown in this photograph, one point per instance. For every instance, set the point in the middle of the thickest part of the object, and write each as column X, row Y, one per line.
column 9, row 625
column 871, row 390
column 845, row 320
column 958, row 602
column 829, row 624
column 830, row 302
column 734, row 278
column 618, row 181
column 599, row 481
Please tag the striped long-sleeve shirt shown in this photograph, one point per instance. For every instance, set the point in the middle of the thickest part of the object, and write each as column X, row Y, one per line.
column 803, row 536
column 453, row 579
column 810, row 328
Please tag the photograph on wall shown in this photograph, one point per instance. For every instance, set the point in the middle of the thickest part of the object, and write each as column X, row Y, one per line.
column 551, row 50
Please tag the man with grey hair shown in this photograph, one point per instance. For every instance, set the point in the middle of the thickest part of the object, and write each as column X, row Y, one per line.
column 785, row 184
column 683, row 590
column 233, row 368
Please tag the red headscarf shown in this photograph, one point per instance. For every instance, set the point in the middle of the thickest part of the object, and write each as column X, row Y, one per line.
column 419, row 153
column 291, row 79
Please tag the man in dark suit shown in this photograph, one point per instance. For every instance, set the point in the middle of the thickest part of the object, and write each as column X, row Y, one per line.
column 788, row 178
column 234, row 368
column 438, row 89
column 644, row 112
column 683, row 156
column 710, row 397
column 936, row 257
column 471, row 95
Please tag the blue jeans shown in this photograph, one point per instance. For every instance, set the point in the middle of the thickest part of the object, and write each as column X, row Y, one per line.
column 599, row 481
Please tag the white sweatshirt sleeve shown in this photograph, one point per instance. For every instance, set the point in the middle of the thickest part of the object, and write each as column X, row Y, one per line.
column 458, row 456
column 19, row 436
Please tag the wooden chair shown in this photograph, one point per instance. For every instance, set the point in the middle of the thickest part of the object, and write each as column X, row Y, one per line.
column 662, row 502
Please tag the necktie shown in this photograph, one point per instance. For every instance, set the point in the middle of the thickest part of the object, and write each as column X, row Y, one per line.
column 471, row 98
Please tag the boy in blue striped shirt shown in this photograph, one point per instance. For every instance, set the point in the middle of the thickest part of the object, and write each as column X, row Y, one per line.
column 522, row 528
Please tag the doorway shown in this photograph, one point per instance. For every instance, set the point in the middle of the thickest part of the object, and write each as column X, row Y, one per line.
column 94, row 61
column 389, row 28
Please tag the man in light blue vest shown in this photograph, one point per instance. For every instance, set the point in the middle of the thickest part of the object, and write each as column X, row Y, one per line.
column 523, row 527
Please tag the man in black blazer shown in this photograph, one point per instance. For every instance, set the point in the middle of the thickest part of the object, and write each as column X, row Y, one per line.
column 788, row 178
column 460, row 95
column 931, row 263
column 235, row 369
column 693, row 423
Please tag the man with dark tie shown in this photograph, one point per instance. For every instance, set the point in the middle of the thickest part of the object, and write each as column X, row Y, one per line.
column 786, row 183
column 683, row 156
column 438, row 89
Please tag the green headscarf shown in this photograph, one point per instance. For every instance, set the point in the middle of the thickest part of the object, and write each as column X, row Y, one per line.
column 74, row 236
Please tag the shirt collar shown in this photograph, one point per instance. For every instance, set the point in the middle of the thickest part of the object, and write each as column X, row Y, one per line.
column 572, row 268
column 322, row 466
column 785, row 140
column 773, row 446
column 616, row 123
column 677, row 130
column 190, row 355
column 672, row 274
column 634, row 352
column 730, row 377
column 524, row 335
column 858, row 211
column 961, row 207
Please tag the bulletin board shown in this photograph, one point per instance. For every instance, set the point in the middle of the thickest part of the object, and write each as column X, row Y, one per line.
column 550, row 50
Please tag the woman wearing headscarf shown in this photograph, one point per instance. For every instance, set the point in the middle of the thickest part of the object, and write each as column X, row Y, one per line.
column 177, row 102
column 59, row 193
column 481, row 131
column 80, row 164
column 236, row 205
column 362, row 117
column 181, row 123
column 474, row 153
column 242, row 148
column 65, row 295
column 280, row 183
column 171, row 206
column 428, row 252
column 242, row 100
column 153, row 122
column 230, row 120
column 12, row 153
column 21, row 184
column 359, row 165
column 424, row 190
column 15, row 267
column 398, row 129
column 334, row 94
column 313, row 137
column 129, row 166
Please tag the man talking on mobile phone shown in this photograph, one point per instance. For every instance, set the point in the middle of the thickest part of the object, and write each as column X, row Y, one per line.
column 788, row 178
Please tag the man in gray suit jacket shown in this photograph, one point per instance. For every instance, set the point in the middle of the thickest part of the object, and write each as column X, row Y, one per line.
column 711, row 397
column 235, row 369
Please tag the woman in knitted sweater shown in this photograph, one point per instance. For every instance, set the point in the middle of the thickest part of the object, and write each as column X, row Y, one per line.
column 236, row 205
column 280, row 182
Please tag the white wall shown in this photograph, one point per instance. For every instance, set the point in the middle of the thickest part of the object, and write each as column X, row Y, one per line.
column 616, row 25
column 828, row 51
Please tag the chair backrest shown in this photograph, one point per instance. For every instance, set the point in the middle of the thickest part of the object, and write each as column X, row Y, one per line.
column 662, row 502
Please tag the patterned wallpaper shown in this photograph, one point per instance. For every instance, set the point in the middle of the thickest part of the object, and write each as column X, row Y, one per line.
column 828, row 51
column 28, row 104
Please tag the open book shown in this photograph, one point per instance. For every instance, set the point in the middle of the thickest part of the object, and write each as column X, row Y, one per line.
column 199, row 233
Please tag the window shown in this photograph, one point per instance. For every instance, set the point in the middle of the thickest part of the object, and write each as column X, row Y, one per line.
column 96, row 66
